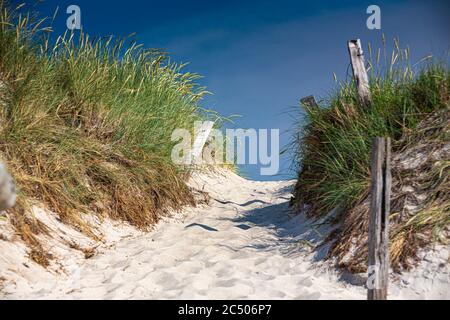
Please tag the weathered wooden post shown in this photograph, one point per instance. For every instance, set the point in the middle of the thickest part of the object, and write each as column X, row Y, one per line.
column 378, row 271
column 201, row 136
column 359, row 71
column 309, row 101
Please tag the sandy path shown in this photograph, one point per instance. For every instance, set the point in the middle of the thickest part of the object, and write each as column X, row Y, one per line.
column 239, row 247
column 244, row 245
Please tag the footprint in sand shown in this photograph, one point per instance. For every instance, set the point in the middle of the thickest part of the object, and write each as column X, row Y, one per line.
column 310, row 296
column 305, row 282
column 226, row 283
column 166, row 280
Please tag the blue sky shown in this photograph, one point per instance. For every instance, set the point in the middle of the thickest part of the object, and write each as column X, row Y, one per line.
column 258, row 58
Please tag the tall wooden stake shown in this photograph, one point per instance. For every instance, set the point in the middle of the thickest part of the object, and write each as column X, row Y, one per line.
column 201, row 137
column 378, row 274
column 359, row 71
column 309, row 101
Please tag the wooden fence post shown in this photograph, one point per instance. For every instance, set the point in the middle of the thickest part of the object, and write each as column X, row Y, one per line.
column 378, row 271
column 309, row 101
column 201, row 136
column 359, row 71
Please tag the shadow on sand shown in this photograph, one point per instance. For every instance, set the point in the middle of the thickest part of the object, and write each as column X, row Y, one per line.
column 290, row 234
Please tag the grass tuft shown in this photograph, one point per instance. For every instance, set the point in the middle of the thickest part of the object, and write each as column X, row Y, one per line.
column 86, row 126
column 409, row 105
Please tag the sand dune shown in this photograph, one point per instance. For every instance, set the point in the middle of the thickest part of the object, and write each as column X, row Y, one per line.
column 243, row 245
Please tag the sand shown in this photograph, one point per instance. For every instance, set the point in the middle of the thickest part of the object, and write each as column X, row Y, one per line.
column 244, row 245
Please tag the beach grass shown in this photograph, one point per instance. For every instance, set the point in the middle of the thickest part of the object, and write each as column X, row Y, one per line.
column 86, row 125
column 334, row 146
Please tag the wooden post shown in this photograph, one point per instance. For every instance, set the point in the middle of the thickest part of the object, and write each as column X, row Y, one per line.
column 378, row 271
column 359, row 71
column 201, row 136
column 309, row 101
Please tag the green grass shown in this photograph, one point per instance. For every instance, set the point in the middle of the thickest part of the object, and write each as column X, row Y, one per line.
column 86, row 124
column 334, row 148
